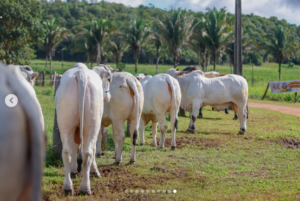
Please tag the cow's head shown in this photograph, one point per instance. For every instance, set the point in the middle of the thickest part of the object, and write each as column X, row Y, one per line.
column 175, row 73
column 106, row 77
column 140, row 76
column 24, row 71
column 28, row 73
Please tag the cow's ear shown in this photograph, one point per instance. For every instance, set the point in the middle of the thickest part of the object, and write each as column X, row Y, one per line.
column 181, row 73
column 115, row 70
column 34, row 76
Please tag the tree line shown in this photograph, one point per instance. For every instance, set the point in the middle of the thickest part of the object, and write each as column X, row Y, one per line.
column 100, row 32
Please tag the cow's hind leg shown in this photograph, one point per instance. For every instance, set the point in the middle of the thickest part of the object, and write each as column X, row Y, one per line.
column 94, row 169
column 142, row 131
column 67, row 156
column 200, row 116
column 154, row 130
column 163, row 129
column 193, row 115
column 134, row 137
column 119, row 137
column 74, row 160
column 174, row 127
column 88, row 153
column 242, row 115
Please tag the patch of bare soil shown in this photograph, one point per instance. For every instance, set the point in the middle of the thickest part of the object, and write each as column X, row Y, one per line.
column 290, row 144
column 189, row 141
column 116, row 180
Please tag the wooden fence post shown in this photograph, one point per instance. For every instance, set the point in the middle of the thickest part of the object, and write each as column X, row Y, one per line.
column 43, row 78
column 54, row 78
column 266, row 91
column 296, row 97
column 36, row 81
column 57, row 144
column 51, row 80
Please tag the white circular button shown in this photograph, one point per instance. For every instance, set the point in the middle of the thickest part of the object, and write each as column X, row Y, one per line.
column 11, row 100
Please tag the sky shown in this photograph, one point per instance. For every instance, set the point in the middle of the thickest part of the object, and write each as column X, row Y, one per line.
column 282, row 9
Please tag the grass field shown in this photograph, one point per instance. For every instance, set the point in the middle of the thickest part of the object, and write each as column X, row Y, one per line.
column 262, row 75
column 212, row 164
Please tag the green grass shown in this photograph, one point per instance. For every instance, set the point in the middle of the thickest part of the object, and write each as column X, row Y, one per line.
column 212, row 164
column 262, row 75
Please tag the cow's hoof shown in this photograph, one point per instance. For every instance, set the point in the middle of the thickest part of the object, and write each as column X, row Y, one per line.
column 117, row 163
column 173, row 148
column 95, row 174
column 131, row 162
column 235, row 118
column 200, row 117
column 89, row 192
column 141, row 144
column 190, row 131
column 98, row 155
column 74, row 175
column 69, row 192
column 241, row 132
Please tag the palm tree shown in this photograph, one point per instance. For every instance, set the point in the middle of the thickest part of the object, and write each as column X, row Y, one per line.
column 118, row 47
column 279, row 44
column 86, row 41
column 54, row 35
column 101, row 30
column 176, row 27
column 137, row 34
column 218, row 31
column 158, row 40
column 198, row 45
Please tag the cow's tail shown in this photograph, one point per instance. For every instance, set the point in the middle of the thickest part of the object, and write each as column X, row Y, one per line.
column 36, row 136
column 134, row 88
column 81, row 78
column 171, row 84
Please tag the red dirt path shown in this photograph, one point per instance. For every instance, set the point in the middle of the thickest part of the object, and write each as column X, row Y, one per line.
column 286, row 109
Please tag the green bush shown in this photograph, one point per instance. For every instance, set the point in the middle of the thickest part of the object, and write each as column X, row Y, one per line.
column 121, row 66
column 290, row 64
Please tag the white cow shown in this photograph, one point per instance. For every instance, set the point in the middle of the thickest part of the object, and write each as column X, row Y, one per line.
column 22, row 144
column 79, row 105
column 220, row 92
column 162, row 94
column 126, row 103
column 25, row 71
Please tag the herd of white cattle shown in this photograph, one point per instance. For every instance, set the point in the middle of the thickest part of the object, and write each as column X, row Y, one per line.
column 88, row 99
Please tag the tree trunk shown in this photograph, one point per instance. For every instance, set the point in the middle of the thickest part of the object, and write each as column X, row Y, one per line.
column 157, row 59
column 136, row 65
column 50, row 58
column 214, row 60
column 98, row 54
column 279, row 71
column 175, row 60
column 46, row 63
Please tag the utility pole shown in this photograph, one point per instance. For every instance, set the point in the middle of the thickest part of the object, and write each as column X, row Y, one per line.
column 238, row 64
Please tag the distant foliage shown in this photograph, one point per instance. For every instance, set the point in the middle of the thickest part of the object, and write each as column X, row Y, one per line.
column 121, row 66
column 290, row 64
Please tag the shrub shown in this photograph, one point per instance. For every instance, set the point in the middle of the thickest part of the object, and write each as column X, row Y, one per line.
column 290, row 64
column 121, row 66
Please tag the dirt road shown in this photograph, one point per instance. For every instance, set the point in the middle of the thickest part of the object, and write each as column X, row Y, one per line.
column 286, row 109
